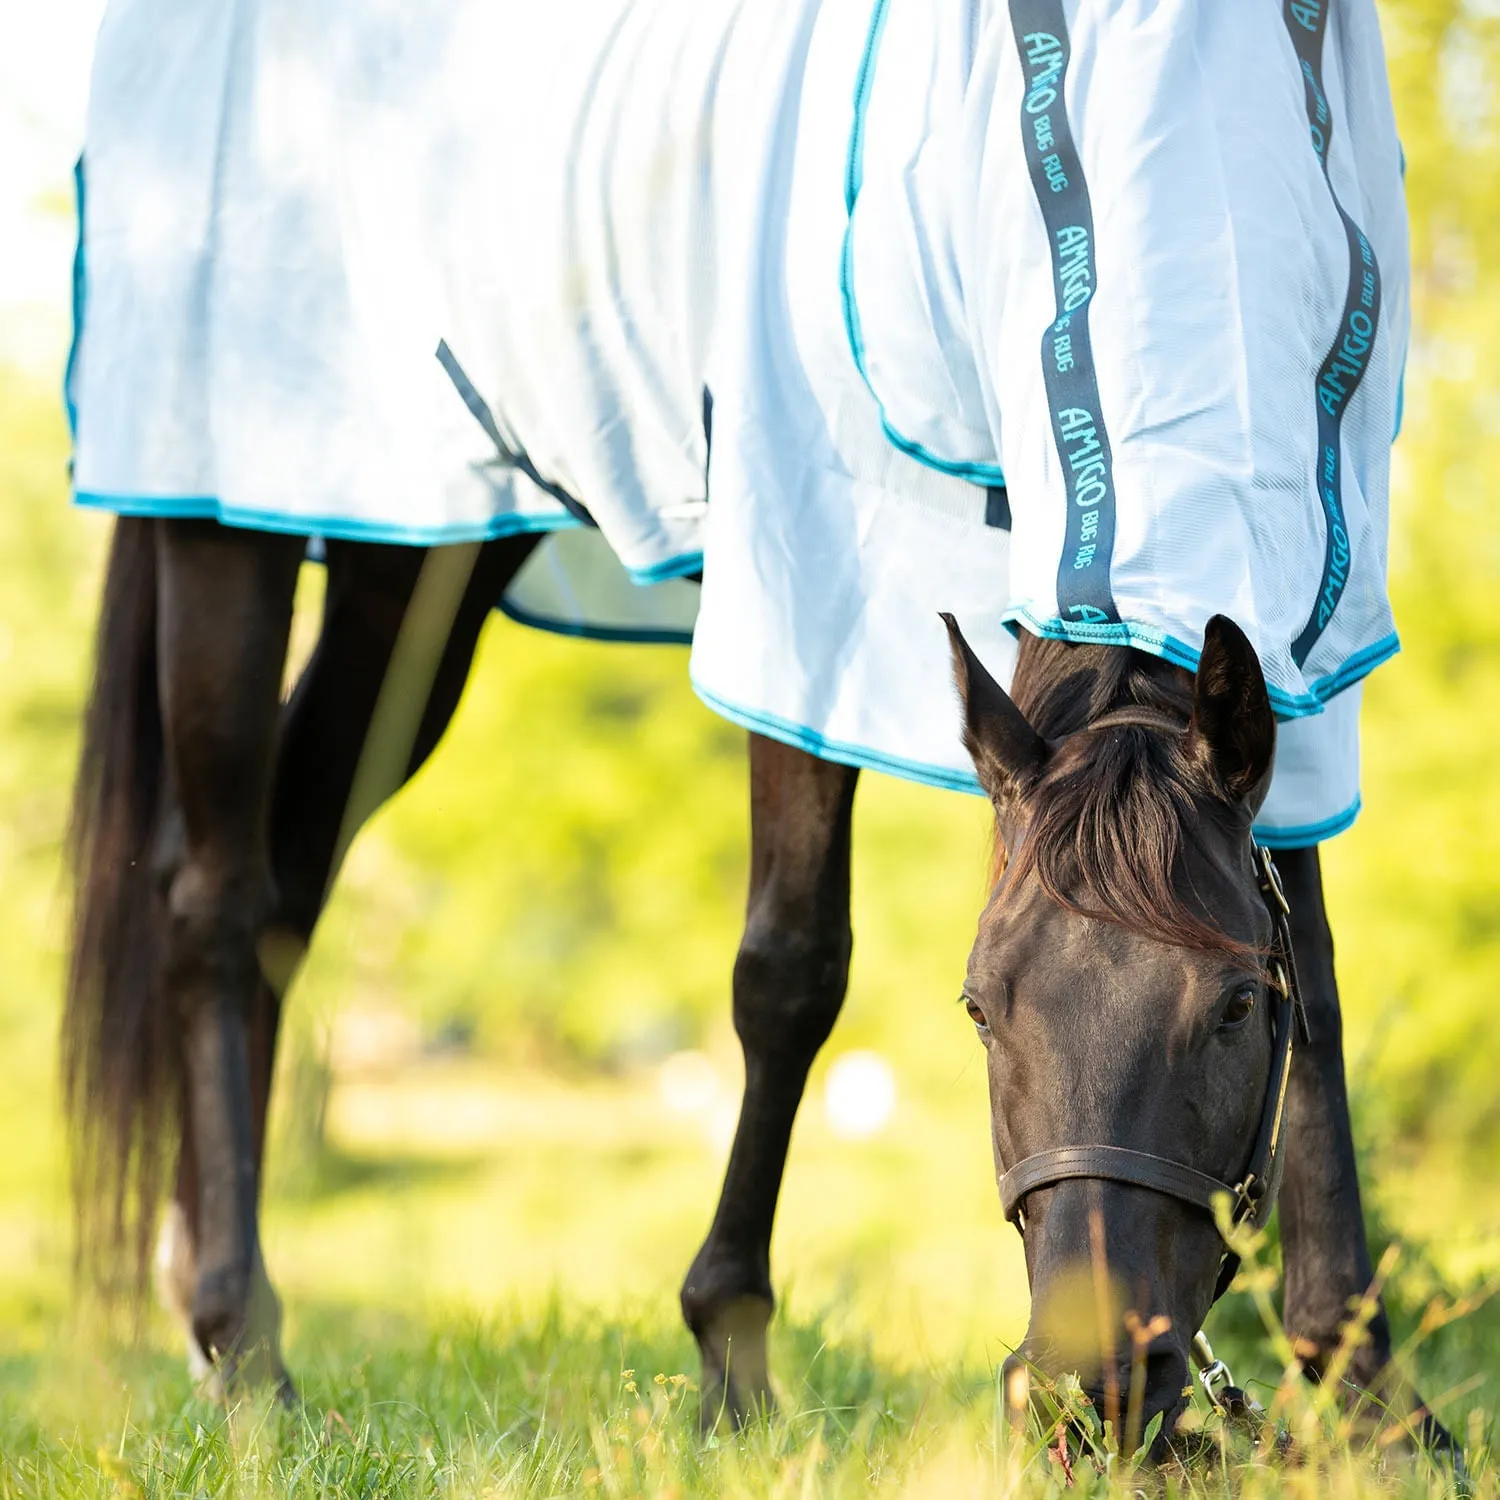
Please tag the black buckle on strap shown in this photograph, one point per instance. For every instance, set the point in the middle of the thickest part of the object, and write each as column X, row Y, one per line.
column 1283, row 960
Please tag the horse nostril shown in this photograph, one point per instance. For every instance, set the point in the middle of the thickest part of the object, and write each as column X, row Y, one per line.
column 1029, row 1386
column 1016, row 1384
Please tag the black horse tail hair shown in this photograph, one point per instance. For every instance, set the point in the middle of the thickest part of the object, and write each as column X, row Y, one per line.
column 121, row 1055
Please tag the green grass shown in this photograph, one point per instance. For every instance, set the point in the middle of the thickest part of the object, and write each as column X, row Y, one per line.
column 480, row 1205
column 562, row 1402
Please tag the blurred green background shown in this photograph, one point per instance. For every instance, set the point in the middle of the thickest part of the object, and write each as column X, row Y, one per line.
column 509, row 1069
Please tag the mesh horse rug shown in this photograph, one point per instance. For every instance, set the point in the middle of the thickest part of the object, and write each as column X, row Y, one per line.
column 1081, row 318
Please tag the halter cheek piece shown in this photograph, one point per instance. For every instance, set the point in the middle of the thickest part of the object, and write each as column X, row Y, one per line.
column 1251, row 1196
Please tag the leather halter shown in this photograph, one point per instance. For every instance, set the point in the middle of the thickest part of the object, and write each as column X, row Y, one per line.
column 1252, row 1194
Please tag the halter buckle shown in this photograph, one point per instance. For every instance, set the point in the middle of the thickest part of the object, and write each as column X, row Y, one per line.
column 1213, row 1374
column 1215, row 1380
column 1269, row 879
column 1247, row 1195
column 1226, row 1398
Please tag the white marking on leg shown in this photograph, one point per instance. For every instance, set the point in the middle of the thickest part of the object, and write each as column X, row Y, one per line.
column 175, row 1269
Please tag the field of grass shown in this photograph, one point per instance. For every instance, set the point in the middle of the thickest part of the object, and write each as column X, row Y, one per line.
column 503, row 1108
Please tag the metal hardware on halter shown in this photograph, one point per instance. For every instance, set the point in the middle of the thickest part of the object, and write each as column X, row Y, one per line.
column 1268, row 877
column 1283, row 966
column 1229, row 1400
column 1250, row 1197
column 1213, row 1374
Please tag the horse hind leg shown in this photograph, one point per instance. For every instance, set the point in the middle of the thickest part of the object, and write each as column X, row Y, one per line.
column 400, row 628
column 175, row 1261
column 399, row 624
column 399, row 633
column 376, row 598
column 175, row 1276
column 789, row 982
column 225, row 601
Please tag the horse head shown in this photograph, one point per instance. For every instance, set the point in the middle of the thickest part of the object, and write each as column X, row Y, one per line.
column 1131, row 985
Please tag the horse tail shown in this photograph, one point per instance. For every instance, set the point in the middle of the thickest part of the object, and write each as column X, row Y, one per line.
column 121, row 1056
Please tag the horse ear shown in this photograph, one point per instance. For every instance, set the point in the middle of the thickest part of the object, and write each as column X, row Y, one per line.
column 1233, row 731
column 1008, row 753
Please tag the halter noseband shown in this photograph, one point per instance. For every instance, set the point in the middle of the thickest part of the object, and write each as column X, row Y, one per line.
column 1251, row 1196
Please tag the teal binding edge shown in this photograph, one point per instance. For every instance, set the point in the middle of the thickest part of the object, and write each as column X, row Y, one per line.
column 854, row 169
column 1159, row 643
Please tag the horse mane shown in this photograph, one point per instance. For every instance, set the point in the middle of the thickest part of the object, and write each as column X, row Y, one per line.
column 1117, row 813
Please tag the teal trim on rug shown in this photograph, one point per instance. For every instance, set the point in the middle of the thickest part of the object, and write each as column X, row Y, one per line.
column 681, row 566
column 1401, row 378
column 332, row 528
column 788, row 732
column 989, row 475
column 1308, row 833
column 1358, row 666
column 612, row 634
column 1159, row 643
column 800, row 737
column 70, row 400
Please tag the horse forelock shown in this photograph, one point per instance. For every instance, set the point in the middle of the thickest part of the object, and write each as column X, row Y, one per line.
column 1120, row 812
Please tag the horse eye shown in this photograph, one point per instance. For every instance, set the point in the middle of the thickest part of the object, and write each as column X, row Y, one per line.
column 1241, row 1005
column 976, row 1015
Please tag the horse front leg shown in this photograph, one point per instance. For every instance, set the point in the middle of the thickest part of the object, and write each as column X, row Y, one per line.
column 225, row 608
column 1326, row 1257
column 789, row 982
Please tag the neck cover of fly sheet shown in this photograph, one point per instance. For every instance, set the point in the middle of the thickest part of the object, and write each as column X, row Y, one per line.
column 1079, row 318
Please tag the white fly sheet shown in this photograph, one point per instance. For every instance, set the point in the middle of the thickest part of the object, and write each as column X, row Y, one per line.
column 1082, row 318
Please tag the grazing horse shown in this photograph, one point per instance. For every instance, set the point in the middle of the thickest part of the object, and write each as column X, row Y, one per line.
column 1117, row 983
column 797, row 257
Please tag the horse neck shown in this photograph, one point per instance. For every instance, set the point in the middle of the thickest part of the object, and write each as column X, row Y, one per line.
column 1062, row 687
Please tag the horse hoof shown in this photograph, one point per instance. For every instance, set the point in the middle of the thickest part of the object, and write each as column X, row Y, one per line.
column 721, row 1407
column 1445, row 1450
column 736, row 1383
